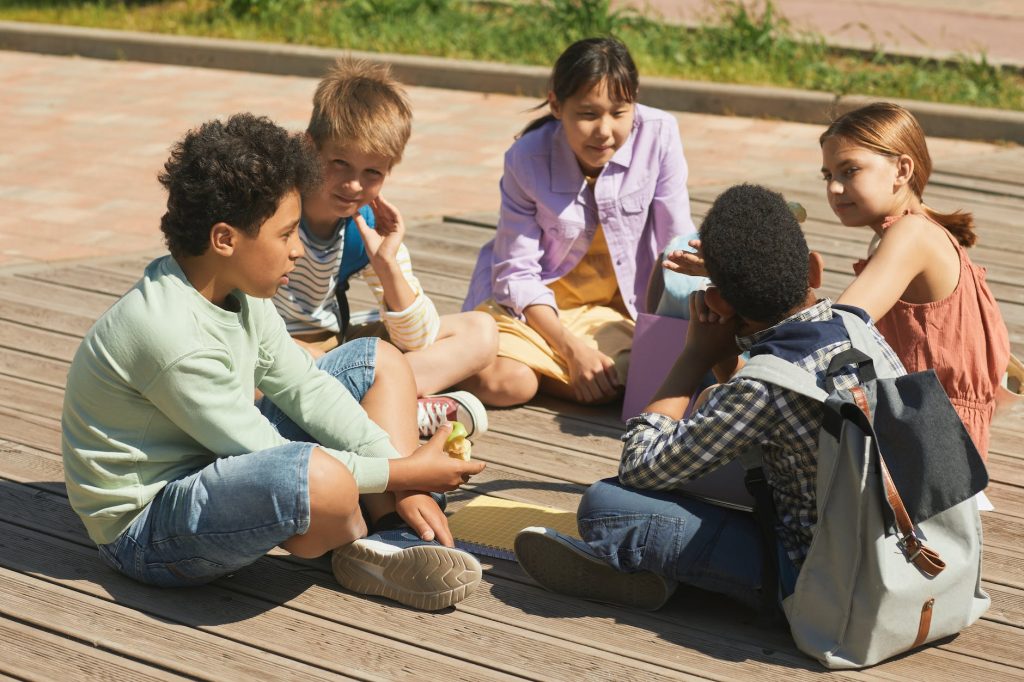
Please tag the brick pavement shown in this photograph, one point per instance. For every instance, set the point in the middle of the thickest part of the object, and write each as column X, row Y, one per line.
column 81, row 142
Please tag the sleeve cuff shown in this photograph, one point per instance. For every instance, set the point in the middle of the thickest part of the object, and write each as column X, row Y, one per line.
column 371, row 474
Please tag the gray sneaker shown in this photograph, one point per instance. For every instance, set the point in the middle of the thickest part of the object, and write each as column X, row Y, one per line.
column 398, row 565
column 568, row 566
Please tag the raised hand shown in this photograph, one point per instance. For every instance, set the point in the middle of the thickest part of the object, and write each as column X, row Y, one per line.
column 686, row 262
column 383, row 241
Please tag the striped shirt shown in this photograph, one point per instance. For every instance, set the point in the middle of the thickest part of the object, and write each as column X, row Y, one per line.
column 308, row 304
column 661, row 453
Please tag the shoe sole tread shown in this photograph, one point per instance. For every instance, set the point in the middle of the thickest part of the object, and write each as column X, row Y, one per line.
column 427, row 577
column 562, row 569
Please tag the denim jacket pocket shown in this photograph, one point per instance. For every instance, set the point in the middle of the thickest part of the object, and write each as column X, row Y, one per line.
column 635, row 203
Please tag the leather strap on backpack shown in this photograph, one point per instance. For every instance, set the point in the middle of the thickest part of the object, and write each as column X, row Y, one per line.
column 926, row 559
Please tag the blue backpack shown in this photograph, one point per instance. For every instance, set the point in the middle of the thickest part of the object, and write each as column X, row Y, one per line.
column 353, row 259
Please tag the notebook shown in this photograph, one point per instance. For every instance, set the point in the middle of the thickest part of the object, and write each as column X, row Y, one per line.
column 487, row 526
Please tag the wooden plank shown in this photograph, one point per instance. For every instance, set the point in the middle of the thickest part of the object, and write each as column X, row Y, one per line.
column 34, row 654
column 43, row 370
column 132, row 635
column 30, row 430
column 31, row 314
column 38, row 343
column 56, row 297
column 333, row 646
column 26, row 396
column 83, row 278
column 1007, row 605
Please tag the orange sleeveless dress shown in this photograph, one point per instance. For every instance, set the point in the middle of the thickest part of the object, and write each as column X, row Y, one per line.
column 962, row 337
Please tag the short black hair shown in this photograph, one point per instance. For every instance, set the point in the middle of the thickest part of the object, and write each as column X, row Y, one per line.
column 755, row 253
column 236, row 172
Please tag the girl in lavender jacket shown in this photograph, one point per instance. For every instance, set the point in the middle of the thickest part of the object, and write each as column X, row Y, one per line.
column 590, row 196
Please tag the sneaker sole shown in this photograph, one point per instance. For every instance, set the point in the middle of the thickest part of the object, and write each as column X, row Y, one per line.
column 426, row 577
column 563, row 569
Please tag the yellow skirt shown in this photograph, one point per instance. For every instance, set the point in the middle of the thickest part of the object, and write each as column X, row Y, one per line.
column 601, row 327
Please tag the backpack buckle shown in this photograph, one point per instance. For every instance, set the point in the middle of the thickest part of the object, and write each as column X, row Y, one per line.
column 910, row 546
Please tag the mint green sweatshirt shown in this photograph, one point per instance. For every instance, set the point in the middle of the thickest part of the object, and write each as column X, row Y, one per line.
column 163, row 384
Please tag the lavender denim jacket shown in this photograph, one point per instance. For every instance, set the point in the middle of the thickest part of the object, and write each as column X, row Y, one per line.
column 549, row 216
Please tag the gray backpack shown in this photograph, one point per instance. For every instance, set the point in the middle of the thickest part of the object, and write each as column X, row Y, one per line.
column 895, row 559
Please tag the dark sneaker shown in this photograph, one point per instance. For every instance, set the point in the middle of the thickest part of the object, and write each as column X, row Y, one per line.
column 566, row 565
column 398, row 565
column 460, row 406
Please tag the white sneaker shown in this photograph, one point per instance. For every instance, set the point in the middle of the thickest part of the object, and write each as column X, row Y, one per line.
column 398, row 565
column 460, row 406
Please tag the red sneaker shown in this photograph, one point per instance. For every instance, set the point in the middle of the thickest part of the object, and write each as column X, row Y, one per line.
column 460, row 406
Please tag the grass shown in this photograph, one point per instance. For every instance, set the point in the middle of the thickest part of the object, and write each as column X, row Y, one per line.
column 740, row 43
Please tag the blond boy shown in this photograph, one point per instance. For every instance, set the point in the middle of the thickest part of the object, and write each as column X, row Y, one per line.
column 360, row 124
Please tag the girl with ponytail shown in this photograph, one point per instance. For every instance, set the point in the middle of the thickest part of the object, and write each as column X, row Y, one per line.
column 931, row 303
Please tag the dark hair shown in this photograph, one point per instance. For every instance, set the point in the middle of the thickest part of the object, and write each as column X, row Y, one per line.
column 235, row 172
column 755, row 253
column 890, row 130
column 586, row 63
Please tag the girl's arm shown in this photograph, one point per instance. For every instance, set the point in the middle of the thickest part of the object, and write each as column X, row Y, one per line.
column 592, row 374
column 670, row 206
column 905, row 251
column 516, row 268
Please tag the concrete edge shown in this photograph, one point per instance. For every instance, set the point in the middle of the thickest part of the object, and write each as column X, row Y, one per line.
column 804, row 106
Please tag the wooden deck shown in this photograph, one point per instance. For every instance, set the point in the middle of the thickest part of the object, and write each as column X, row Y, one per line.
column 63, row 615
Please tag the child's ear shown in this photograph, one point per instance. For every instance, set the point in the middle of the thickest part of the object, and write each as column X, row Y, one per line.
column 815, row 269
column 554, row 105
column 223, row 238
column 713, row 297
column 904, row 170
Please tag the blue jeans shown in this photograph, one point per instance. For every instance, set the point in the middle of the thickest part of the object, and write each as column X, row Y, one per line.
column 231, row 512
column 677, row 537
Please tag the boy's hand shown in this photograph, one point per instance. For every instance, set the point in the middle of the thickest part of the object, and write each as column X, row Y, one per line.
column 686, row 262
column 430, row 468
column 383, row 241
column 423, row 515
column 592, row 374
column 709, row 342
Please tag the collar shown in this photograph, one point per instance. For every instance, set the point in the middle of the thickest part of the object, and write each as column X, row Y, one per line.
column 819, row 312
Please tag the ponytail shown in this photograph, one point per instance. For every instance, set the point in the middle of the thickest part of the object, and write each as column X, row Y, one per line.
column 537, row 122
column 960, row 224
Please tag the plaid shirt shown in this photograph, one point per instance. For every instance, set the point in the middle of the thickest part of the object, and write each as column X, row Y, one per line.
column 660, row 453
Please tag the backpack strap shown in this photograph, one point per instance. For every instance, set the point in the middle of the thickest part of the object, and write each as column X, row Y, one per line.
column 774, row 370
column 866, row 342
column 353, row 259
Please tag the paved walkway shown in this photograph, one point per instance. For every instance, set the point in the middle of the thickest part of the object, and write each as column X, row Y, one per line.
column 81, row 143
column 926, row 27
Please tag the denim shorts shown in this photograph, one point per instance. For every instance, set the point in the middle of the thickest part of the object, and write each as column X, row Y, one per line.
column 231, row 512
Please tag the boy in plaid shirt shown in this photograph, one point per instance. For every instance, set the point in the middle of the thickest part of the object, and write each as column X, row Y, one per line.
column 643, row 536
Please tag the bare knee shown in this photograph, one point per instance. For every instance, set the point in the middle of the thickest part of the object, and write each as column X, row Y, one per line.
column 507, row 382
column 478, row 334
column 389, row 357
column 334, row 516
